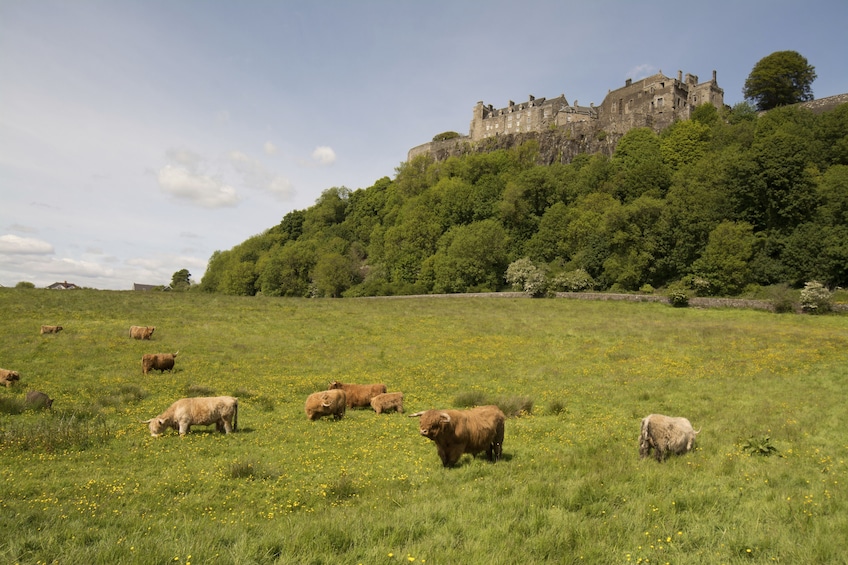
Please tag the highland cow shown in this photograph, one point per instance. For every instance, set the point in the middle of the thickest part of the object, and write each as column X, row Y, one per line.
column 388, row 402
column 158, row 361
column 141, row 332
column 7, row 377
column 51, row 329
column 326, row 403
column 359, row 396
column 39, row 400
column 665, row 435
column 464, row 431
column 201, row 411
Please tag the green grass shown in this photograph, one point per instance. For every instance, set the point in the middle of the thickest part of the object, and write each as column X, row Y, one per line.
column 85, row 482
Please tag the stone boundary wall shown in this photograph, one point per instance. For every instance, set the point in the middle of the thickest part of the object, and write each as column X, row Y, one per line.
column 825, row 104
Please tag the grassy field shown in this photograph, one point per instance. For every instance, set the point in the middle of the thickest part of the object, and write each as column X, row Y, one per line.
column 86, row 483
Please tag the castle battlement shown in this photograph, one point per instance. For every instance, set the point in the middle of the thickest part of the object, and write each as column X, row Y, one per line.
column 656, row 102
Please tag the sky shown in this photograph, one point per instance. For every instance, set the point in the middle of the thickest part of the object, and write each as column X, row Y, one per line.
column 137, row 137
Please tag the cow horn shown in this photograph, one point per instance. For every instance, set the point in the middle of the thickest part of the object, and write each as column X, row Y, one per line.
column 177, row 353
column 146, row 421
column 698, row 431
column 415, row 415
column 446, row 417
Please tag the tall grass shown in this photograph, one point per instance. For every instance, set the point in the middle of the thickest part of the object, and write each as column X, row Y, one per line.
column 86, row 483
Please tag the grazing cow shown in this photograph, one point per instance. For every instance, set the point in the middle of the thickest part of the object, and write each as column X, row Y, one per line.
column 326, row 403
column 38, row 399
column 390, row 401
column 158, row 361
column 201, row 411
column 359, row 396
column 51, row 329
column 141, row 332
column 665, row 434
column 8, row 377
column 464, row 431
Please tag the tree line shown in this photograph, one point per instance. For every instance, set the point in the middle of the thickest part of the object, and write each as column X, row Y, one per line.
column 727, row 199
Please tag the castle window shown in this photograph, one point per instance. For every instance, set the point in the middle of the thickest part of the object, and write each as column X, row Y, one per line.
column 659, row 102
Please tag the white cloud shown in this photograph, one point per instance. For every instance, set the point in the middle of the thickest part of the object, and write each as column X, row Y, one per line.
column 324, row 155
column 641, row 71
column 270, row 148
column 255, row 175
column 196, row 188
column 15, row 245
column 185, row 157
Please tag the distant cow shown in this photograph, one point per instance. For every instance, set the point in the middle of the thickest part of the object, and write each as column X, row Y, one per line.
column 388, row 402
column 8, row 377
column 665, row 434
column 158, row 361
column 51, row 329
column 326, row 403
column 359, row 396
column 464, row 431
column 202, row 411
column 141, row 332
column 38, row 399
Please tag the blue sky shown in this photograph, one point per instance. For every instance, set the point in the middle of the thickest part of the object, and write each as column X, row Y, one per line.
column 139, row 136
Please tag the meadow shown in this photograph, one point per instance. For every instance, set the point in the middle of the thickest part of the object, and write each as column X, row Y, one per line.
column 86, row 483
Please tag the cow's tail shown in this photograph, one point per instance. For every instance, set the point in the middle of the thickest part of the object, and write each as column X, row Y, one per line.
column 235, row 416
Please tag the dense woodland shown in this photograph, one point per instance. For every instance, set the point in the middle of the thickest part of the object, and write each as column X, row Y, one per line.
column 718, row 203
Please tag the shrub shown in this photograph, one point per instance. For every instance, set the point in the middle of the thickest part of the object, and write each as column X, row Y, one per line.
column 781, row 298
column 678, row 296
column 646, row 289
column 556, row 407
column 574, row 281
column 444, row 136
column 513, row 406
column 199, row 390
column 523, row 275
column 471, row 398
column 816, row 298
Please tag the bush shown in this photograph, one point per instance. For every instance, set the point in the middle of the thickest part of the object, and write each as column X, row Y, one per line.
column 678, row 296
column 444, row 136
column 816, row 298
column 470, row 399
column 782, row 299
column 523, row 275
column 574, row 281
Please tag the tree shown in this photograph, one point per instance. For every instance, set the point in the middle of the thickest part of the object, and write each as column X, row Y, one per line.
column 782, row 78
column 181, row 280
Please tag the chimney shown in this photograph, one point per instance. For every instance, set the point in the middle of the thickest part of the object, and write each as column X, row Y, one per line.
column 628, row 82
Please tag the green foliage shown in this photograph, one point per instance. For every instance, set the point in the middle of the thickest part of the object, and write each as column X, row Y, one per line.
column 25, row 284
column 181, row 280
column 678, row 295
column 779, row 79
column 445, row 136
column 648, row 215
column 761, row 446
column 526, row 277
column 577, row 280
column 816, row 298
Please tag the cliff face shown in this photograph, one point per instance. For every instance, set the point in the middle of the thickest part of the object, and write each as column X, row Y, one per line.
column 555, row 146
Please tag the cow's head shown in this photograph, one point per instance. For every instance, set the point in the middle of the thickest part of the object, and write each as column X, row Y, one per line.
column 157, row 426
column 334, row 385
column 432, row 422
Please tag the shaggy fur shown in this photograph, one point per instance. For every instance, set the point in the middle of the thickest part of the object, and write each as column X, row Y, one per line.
column 8, row 377
column 38, row 399
column 388, row 402
column 665, row 435
column 51, row 329
column 141, row 332
column 201, row 411
column 464, row 431
column 326, row 403
column 158, row 361
column 359, row 396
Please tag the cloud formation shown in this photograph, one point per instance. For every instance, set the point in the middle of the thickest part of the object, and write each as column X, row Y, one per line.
column 16, row 245
column 196, row 188
column 324, row 155
column 256, row 176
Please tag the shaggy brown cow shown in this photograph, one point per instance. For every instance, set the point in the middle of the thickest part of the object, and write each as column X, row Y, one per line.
column 141, row 332
column 158, row 361
column 8, row 377
column 51, row 329
column 38, row 399
column 464, row 431
column 359, row 396
column 665, row 434
column 326, row 403
column 388, row 402
column 201, row 411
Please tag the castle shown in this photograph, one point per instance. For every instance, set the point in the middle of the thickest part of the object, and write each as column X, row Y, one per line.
column 655, row 102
